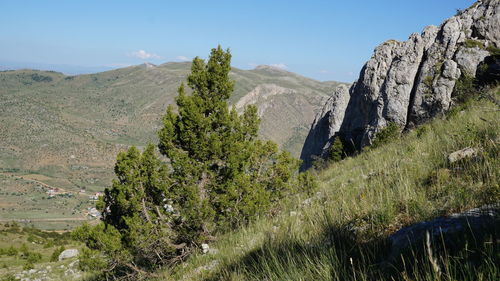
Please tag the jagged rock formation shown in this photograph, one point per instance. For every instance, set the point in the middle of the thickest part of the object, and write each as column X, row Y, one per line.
column 409, row 82
column 326, row 123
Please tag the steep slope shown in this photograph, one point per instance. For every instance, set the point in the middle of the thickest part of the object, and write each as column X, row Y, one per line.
column 348, row 228
column 410, row 82
column 64, row 131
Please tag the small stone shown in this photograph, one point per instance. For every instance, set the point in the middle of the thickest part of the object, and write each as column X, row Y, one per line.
column 205, row 248
column 168, row 208
column 69, row 272
column 307, row 201
column 462, row 154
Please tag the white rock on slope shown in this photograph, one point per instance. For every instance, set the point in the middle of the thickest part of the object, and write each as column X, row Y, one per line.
column 67, row 254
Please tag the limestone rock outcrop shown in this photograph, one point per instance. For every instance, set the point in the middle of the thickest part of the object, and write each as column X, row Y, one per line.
column 326, row 123
column 472, row 226
column 408, row 83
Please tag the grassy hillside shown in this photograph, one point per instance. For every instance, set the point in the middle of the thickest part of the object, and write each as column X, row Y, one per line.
column 64, row 132
column 30, row 253
column 338, row 232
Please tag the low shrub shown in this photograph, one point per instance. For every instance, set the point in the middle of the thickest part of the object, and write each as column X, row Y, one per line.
column 336, row 152
column 465, row 89
column 471, row 43
column 387, row 134
column 493, row 50
column 55, row 255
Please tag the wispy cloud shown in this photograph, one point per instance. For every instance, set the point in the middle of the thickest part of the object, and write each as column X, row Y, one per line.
column 143, row 55
column 182, row 58
column 279, row 65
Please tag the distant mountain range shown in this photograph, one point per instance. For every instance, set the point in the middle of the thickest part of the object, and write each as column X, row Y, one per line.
column 65, row 131
column 67, row 69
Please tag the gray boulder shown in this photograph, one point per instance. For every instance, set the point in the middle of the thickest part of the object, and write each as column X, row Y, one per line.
column 451, row 232
column 67, row 254
column 469, row 58
column 462, row 154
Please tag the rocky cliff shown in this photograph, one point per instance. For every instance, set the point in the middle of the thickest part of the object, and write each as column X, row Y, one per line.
column 326, row 124
column 409, row 82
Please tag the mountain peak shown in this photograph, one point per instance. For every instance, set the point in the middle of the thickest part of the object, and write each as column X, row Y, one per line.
column 148, row 65
column 278, row 67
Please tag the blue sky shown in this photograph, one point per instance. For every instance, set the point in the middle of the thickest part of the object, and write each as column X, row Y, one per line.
column 324, row 40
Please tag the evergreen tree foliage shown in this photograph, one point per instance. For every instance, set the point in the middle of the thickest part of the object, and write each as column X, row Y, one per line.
column 336, row 151
column 222, row 175
column 216, row 176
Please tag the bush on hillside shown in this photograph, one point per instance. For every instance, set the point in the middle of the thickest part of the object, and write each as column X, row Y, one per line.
column 9, row 277
column 336, row 151
column 387, row 134
column 471, row 43
column 11, row 251
column 41, row 78
column 28, row 266
column 32, row 257
column 55, row 255
column 465, row 88
column 218, row 177
column 493, row 50
column 307, row 182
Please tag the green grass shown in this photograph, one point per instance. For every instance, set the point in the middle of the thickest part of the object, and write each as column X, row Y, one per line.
column 471, row 43
column 339, row 234
column 36, row 242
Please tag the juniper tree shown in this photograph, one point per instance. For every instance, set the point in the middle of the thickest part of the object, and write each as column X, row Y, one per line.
column 135, row 232
column 336, row 151
column 222, row 175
